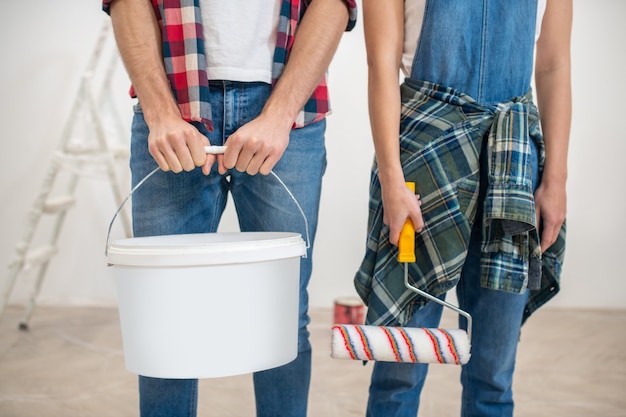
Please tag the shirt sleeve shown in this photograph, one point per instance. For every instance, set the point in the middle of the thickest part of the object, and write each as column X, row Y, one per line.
column 106, row 4
column 353, row 14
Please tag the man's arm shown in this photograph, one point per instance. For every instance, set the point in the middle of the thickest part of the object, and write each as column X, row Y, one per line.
column 554, row 97
column 257, row 146
column 175, row 144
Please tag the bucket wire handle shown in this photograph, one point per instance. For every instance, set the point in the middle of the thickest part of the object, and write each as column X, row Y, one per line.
column 213, row 150
column 406, row 254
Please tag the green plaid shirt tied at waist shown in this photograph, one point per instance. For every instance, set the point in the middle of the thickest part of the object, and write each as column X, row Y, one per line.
column 442, row 133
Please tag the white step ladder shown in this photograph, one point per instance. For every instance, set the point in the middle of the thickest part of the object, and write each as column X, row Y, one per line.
column 80, row 155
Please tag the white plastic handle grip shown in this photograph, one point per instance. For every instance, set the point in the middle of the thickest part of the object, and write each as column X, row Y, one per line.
column 215, row 150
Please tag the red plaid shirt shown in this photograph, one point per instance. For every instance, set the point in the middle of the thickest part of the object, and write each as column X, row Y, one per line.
column 185, row 62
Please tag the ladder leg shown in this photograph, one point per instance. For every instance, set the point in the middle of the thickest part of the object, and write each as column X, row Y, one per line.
column 30, row 305
column 33, row 220
column 40, row 257
column 14, row 271
column 43, row 267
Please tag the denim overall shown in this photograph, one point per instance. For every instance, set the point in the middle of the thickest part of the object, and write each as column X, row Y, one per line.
column 483, row 49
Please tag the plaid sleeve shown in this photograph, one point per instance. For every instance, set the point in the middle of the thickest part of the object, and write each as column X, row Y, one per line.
column 353, row 14
column 106, row 5
column 352, row 9
column 318, row 105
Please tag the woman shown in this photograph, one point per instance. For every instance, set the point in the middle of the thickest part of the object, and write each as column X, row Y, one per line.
column 490, row 178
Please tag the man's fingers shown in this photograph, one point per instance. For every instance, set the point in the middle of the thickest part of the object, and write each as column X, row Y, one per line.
column 208, row 164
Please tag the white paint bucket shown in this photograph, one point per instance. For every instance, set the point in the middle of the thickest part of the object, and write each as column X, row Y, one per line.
column 208, row 305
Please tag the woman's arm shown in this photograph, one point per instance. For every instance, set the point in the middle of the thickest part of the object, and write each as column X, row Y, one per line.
column 384, row 35
column 554, row 98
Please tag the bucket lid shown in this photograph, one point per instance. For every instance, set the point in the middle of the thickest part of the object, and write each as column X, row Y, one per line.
column 205, row 249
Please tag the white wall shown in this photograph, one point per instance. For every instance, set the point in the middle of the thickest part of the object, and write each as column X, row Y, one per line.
column 46, row 46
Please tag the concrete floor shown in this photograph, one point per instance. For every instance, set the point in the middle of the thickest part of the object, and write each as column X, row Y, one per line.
column 70, row 363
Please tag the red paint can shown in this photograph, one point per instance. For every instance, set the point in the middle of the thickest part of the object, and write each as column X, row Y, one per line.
column 349, row 310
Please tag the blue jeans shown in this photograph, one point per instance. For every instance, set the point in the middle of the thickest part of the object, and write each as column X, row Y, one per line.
column 190, row 202
column 487, row 378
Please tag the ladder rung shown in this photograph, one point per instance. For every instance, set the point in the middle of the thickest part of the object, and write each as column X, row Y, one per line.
column 77, row 149
column 120, row 151
column 81, row 156
column 57, row 204
column 39, row 255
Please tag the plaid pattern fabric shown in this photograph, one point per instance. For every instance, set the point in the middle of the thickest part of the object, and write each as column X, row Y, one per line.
column 185, row 62
column 509, row 209
column 183, row 56
column 441, row 137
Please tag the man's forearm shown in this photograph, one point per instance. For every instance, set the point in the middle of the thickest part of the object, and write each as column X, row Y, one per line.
column 138, row 37
column 315, row 44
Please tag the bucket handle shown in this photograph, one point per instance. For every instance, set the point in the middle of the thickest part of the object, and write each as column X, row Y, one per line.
column 214, row 150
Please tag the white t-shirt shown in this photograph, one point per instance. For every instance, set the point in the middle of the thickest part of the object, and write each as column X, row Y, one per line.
column 240, row 38
column 413, row 17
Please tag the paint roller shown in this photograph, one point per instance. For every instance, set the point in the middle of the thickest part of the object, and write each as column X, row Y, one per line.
column 404, row 344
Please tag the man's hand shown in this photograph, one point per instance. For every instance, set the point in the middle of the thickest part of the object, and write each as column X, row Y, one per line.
column 177, row 145
column 256, row 146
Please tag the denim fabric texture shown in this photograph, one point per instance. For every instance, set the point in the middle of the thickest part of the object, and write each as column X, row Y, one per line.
column 443, row 134
column 468, row 45
column 496, row 317
column 190, row 202
column 482, row 49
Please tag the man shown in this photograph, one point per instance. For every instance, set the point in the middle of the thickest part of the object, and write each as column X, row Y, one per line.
column 234, row 73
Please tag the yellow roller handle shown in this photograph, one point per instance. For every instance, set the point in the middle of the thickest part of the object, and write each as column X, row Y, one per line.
column 406, row 243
